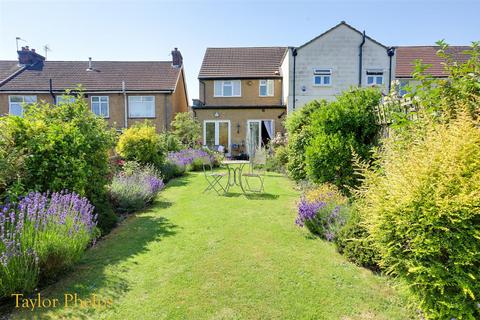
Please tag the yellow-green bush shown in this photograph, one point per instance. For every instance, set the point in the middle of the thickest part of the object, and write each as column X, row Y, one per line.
column 143, row 144
column 422, row 210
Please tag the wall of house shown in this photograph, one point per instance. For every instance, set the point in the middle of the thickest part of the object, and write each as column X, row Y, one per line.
column 179, row 97
column 116, row 118
column 249, row 91
column 284, row 71
column 337, row 50
column 238, row 121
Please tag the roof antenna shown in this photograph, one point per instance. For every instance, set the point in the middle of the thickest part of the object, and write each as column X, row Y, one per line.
column 19, row 39
column 46, row 48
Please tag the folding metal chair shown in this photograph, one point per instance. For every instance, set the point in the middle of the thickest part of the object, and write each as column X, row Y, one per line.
column 258, row 158
column 213, row 178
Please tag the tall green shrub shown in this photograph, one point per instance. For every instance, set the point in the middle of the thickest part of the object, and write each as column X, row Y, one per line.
column 422, row 211
column 298, row 136
column 66, row 147
column 340, row 128
column 187, row 129
column 142, row 143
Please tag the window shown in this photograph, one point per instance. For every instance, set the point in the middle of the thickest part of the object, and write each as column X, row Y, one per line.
column 100, row 106
column 266, row 88
column 15, row 104
column 228, row 88
column 322, row 77
column 216, row 133
column 64, row 99
column 402, row 87
column 141, row 107
column 374, row 77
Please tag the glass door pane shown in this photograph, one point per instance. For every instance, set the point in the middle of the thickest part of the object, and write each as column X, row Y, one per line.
column 210, row 134
column 253, row 136
column 223, row 134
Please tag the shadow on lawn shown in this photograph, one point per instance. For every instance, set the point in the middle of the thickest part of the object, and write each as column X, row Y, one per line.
column 252, row 196
column 101, row 270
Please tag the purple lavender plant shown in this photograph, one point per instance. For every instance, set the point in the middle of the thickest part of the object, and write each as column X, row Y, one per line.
column 132, row 191
column 322, row 218
column 41, row 226
column 188, row 157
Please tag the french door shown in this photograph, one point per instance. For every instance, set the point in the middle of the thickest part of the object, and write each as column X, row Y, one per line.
column 217, row 133
column 259, row 133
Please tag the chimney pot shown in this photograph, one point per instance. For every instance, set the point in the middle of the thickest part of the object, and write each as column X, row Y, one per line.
column 30, row 58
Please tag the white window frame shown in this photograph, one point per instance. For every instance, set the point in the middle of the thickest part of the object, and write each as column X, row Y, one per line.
column 141, row 117
column 270, row 87
column 374, row 74
column 23, row 96
column 100, row 105
column 322, row 73
column 217, row 133
column 260, row 126
column 217, row 94
column 60, row 99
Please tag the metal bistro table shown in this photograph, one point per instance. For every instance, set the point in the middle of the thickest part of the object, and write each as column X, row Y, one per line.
column 235, row 169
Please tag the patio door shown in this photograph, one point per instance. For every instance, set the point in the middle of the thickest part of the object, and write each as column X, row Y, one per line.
column 217, row 133
column 259, row 133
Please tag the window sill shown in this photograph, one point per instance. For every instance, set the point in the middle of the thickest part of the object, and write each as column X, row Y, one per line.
column 322, row 85
column 227, row 96
column 146, row 117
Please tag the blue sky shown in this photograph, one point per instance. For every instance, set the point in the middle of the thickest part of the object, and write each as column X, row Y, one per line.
column 148, row 30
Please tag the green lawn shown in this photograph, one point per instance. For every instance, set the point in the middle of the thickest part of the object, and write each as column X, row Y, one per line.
column 201, row 256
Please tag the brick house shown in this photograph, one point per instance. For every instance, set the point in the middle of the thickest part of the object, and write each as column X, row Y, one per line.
column 122, row 92
column 241, row 96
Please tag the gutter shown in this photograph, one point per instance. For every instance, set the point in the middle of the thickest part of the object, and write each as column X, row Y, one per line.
column 360, row 59
column 390, row 53
column 294, row 54
column 125, row 104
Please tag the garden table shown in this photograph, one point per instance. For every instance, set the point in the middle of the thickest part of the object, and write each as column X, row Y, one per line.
column 235, row 169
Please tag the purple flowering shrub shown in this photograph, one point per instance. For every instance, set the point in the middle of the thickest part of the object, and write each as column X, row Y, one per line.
column 41, row 235
column 191, row 159
column 323, row 211
column 135, row 187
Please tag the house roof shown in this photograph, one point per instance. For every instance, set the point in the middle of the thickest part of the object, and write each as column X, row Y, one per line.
column 246, row 62
column 342, row 23
column 106, row 76
column 406, row 56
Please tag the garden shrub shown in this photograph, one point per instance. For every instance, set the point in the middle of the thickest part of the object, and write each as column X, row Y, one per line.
column 422, row 210
column 12, row 169
column 278, row 160
column 65, row 147
column 323, row 210
column 187, row 129
column 354, row 242
column 339, row 129
column 170, row 142
column 171, row 170
column 42, row 235
column 142, row 143
column 135, row 187
column 298, row 137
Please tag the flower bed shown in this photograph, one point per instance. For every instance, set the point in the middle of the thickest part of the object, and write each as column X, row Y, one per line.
column 41, row 235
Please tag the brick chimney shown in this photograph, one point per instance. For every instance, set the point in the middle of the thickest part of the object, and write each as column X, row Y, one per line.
column 30, row 58
column 177, row 59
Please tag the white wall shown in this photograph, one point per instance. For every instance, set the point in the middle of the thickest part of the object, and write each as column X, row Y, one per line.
column 284, row 69
column 337, row 50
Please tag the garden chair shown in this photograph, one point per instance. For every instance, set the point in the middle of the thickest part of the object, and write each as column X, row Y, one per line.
column 258, row 160
column 213, row 178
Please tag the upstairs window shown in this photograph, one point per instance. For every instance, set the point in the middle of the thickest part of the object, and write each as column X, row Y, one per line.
column 15, row 104
column 374, row 77
column 228, row 88
column 322, row 77
column 266, row 88
column 100, row 106
column 141, row 106
column 64, row 99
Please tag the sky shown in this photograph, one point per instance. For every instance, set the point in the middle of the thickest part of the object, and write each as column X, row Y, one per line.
column 149, row 30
